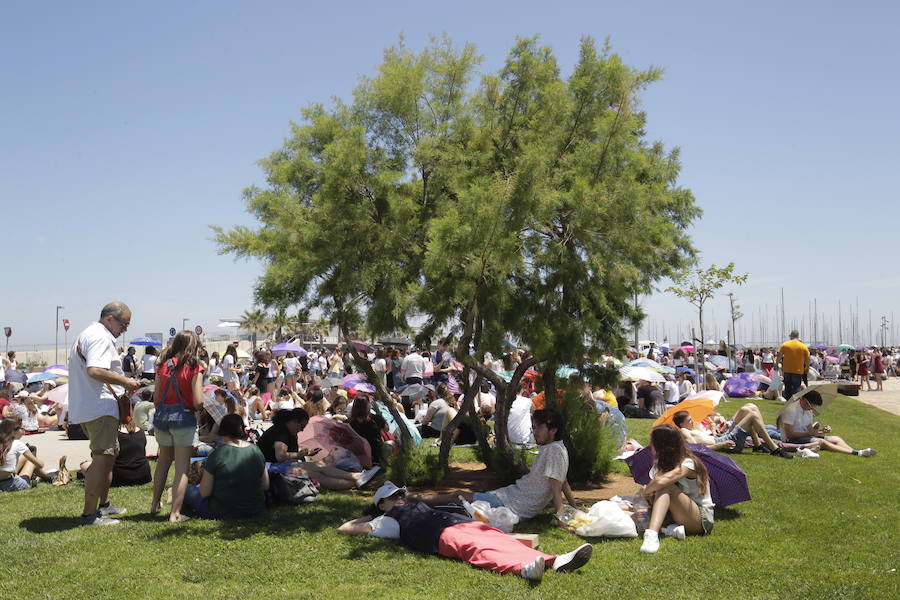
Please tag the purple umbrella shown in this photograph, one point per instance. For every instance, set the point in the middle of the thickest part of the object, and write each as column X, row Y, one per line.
column 282, row 349
column 821, row 347
column 363, row 347
column 353, row 378
column 742, row 385
column 16, row 376
column 727, row 482
column 364, row 387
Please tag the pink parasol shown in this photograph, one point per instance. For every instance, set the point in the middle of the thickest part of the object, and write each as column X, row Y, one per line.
column 328, row 434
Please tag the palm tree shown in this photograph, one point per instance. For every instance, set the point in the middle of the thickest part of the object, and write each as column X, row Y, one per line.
column 280, row 322
column 255, row 321
column 322, row 327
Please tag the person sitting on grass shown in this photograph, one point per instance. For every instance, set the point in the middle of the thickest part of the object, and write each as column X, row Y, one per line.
column 20, row 467
column 131, row 466
column 747, row 422
column 234, row 478
column 544, row 484
column 678, row 490
column 279, row 444
column 797, row 427
column 458, row 537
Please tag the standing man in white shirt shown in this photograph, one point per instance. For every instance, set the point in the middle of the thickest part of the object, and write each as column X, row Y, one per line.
column 412, row 370
column 95, row 375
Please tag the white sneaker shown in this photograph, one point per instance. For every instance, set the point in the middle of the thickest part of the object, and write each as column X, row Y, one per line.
column 651, row 542
column 366, row 476
column 575, row 559
column 807, row 453
column 867, row 452
column 674, row 531
column 533, row 571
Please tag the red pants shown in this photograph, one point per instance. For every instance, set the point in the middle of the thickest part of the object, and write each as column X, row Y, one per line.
column 486, row 548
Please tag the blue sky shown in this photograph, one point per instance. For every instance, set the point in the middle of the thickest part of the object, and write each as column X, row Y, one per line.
column 126, row 129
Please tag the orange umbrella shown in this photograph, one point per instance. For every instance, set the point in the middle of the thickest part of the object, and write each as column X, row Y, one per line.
column 697, row 405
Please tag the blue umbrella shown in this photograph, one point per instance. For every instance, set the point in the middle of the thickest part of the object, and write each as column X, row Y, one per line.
column 41, row 377
column 16, row 376
column 145, row 341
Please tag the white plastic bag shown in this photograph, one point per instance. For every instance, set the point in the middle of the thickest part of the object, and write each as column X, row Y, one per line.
column 607, row 519
column 500, row 517
column 776, row 384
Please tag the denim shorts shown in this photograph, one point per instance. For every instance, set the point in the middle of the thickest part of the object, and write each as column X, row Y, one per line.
column 174, row 426
column 14, row 484
column 738, row 436
column 489, row 497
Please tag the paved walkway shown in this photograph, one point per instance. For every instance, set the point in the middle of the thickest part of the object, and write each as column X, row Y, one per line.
column 888, row 400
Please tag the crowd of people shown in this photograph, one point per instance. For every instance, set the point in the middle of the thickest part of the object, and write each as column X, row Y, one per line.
column 237, row 421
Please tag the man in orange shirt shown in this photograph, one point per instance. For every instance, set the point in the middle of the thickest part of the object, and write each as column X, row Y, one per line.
column 793, row 359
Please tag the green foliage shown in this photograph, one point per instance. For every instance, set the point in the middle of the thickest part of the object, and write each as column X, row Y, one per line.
column 591, row 445
column 506, row 471
column 415, row 466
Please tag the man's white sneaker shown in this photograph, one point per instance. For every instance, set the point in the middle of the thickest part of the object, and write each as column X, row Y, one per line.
column 533, row 571
column 111, row 509
column 867, row 452
column 674, row 531
column 97, row 519
column 575, row 559
column 807, row 453
column 366, row 476
column 651, row 542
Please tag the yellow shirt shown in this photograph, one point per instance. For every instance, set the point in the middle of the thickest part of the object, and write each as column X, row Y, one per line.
column 794, row 356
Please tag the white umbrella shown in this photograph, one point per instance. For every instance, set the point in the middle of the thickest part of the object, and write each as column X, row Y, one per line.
column 828, row 391
column 644, row 373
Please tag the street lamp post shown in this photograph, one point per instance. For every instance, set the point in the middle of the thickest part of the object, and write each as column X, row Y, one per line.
column 184, row 324
column 56, row 343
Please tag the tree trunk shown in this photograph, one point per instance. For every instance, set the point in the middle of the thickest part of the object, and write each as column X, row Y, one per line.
column 467, row 409
column 381, row 392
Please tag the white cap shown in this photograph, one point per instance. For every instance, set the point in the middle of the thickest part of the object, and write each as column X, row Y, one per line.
column 385, row 491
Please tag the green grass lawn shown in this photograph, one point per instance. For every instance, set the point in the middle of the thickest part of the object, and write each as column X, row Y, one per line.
column 820, row 528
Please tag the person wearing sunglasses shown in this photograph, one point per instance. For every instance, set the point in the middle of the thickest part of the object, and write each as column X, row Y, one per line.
column 96, row 379
column 456, row 536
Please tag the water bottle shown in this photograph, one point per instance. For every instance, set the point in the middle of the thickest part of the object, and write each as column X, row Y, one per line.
column 641, row 513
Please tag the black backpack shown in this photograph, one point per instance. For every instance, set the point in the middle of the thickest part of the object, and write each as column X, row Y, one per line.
column 292, row 489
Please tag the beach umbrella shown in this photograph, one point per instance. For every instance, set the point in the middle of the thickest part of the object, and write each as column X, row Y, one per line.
column 16, row 376
column 37, row 377
column 565, row 371
column 394, row 428
column 282, row 349
column 615, row 421
column 832, row 359
column 352, row 378
column 687, row 348
column 242, row 353
column 828, row 392
column 721, row 362
column 698, row 406
column 645, row 362
column 644, row 373
column 329, row 435
column 331, row 382
column 415, row 391
column 394, row 341
column 742, row 385
column 362, row 347
column 145, row 341
column 362, row 386
column 727, row 482
column 686, row 370
column 821, row 347
column 845, row 347
column 61, row 370
column 59, row 394
column 861, row 348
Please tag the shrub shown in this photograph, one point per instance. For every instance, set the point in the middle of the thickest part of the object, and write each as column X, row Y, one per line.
column 589, row 441
column 415, row 466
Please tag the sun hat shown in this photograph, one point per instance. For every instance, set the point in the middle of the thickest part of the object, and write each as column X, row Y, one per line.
column 387, row 490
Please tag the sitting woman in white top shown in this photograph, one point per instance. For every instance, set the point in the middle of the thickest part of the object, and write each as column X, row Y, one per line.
column 19, row 466
column 678, row 490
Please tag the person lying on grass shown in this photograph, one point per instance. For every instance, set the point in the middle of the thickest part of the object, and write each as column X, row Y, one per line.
column 455, row 536
column 797, row 427
column 279, row 444
column 747, row 422
column 544, row 484
column 678, row 490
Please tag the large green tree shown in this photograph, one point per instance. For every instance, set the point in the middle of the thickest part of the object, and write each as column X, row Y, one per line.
column 523, row 204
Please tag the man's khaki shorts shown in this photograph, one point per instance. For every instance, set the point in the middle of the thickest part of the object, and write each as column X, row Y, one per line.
column 103, row 432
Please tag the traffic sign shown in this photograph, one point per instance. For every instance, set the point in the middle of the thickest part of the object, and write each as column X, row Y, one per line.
column 66, row 324
column 172, row 331
column 7, row 331
column 198, row 330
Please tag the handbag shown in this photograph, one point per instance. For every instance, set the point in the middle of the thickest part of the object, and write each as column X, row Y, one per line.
column 126, row 410
column 292, row 489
